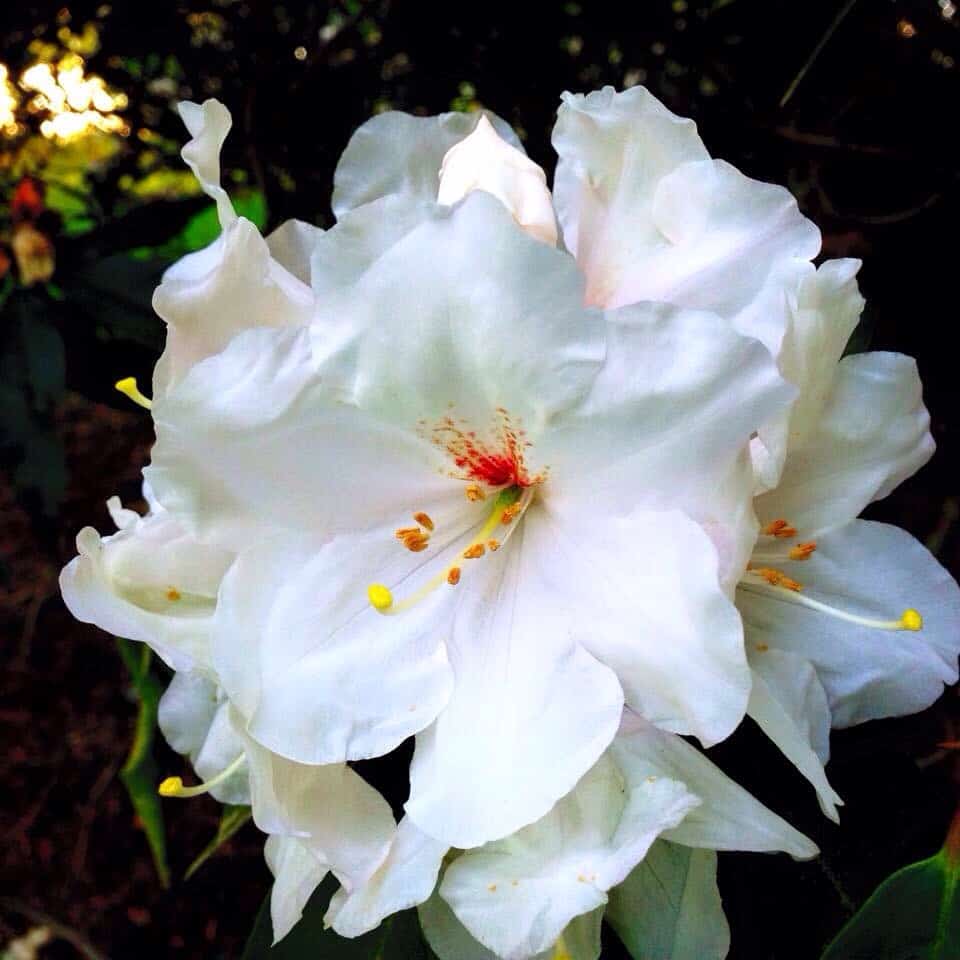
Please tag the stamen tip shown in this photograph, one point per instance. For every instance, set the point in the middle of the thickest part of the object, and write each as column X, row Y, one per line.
column 380, row 596
column 128, row 387
column 170, row 787
column 910, row 619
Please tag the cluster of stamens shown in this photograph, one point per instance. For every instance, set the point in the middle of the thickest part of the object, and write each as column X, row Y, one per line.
column 760, row 574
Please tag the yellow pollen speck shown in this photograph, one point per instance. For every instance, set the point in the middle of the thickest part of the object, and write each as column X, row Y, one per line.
column 474, row 550
column 380, row 596
column 474, row 492
column 802, row 551
column 170, row 787
column 651, row 779
column 911, row 619
column 581, row 878
column 424, row 520
column 173, row 594
column 493, row 545
column 492, row 888
column 514, row 883
column 128, row 387
column 763, row 647
column 453, row 576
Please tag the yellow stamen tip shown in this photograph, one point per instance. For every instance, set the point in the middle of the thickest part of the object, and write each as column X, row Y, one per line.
column 128, row 387
column 380, row 596
column 911, row 619
column 170, row 787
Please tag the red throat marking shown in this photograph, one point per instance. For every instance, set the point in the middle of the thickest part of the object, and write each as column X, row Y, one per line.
column 495, row 460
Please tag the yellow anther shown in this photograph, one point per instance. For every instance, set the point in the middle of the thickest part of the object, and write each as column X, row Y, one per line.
column 380, row 596
column 416, row 542
column 475, row 492
column 128, row 387
column 424, row 520
column 763, row 647
column 453, row 576
column 802, row 551
column 493, row 545
column 173, row 594
column 170, row 787
column 911, row 619
column 474, row 551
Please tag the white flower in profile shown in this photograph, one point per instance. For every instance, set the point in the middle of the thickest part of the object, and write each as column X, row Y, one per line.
column 459, row 514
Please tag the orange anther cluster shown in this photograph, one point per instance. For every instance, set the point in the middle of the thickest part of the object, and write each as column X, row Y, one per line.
column 779, row 528
column 493, row 545
column 510, row 514
column 173, row 594
column 424, row 520
column 802, row 551
column 474, row 551
column 413, row 538
column 453, row 576
column 777, row 578
column 475, row 492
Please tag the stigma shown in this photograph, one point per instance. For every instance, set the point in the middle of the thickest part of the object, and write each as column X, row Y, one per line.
column 762, row 577
column 173, row 786
column 128, row 387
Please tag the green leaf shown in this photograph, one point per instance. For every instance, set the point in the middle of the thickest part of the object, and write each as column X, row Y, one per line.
column 913, row 915
column 139, row 773
column 397, row 938
column 232, row 819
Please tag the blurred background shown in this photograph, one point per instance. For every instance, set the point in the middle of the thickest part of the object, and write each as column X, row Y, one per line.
column 850, row 104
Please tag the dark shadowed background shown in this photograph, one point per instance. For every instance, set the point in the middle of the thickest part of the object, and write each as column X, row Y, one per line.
column 850, row 104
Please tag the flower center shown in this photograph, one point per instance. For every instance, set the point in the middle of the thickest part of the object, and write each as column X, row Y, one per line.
column 762, row 577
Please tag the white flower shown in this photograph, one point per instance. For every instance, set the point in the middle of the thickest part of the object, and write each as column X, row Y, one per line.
column 830, row 603
column 431, row 389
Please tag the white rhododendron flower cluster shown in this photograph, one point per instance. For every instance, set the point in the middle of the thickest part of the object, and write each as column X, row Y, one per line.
column 560, row 484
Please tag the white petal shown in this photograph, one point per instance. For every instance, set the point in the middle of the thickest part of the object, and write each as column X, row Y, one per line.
column 253, row 440
column 195, row 722
column 873, row 433
column 669, row 907
column 448, row 938
column 208, row 123
column 824, row 313
column 461, row 341
column 208, row 297
column 335, row 813
column 396, row 153
column 877, row 571
column 789, row 704
column 729, row 818
column 641, row 592
column 405, row 879
column 292, row 244
column 297, row 873
column 669, row 414
column 149, row 582
column 650, row 217
column 517, row 895
column 359, row 238
column 321, row 676
column 484, row 161
column 530, row 712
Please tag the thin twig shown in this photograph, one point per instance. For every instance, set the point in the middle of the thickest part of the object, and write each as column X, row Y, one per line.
column 73, row 937
column 817, row 50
